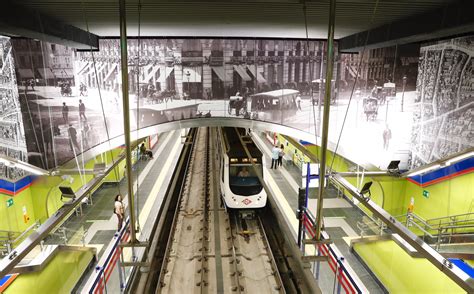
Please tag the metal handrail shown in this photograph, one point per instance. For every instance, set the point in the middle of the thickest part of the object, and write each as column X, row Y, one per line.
column 28, row 230
column 450, row 216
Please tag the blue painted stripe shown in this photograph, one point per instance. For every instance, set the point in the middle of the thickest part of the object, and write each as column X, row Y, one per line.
column 12, row 187
column 463, row 266
column 4, row 280
column 305, row 143
column 444, row 172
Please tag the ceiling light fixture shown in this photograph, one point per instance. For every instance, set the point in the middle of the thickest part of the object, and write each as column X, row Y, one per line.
column 423, row 170
column 12, row 162
column 459, row 158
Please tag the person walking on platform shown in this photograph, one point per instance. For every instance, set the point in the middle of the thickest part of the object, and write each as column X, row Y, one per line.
column 65, row 113
column 73, row 139
column 281, row 154
column 275, row 155
column 82, row 110
column 298, row 102
column 119, row 211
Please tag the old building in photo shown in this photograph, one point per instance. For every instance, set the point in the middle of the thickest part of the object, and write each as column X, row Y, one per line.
column 203, row 68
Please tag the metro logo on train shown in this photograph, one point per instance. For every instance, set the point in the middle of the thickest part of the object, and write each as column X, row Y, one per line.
column 246, row 201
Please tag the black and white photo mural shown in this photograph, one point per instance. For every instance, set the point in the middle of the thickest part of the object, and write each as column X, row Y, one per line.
column 12, row 137
column 71, row 101
column 443, row 116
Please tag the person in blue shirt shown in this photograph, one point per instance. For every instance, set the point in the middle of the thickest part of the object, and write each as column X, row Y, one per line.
column 275, row 155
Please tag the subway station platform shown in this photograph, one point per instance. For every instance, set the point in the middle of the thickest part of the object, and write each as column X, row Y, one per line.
column 374, row 97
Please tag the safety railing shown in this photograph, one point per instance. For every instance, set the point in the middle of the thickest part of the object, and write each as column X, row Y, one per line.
column 441, row 230
column 345, row 277
column 10, row 239
column 371, row 225
column 68, row 236
column 97, row 282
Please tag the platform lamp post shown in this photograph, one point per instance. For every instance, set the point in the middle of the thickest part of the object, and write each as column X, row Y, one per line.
column 188, row 74
column 403, row 89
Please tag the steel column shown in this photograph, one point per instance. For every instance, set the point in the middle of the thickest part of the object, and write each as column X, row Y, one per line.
column 126, row 117
column 327, row 102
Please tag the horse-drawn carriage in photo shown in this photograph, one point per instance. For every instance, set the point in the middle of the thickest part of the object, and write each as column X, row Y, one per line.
column 371, row 107
column 163, row 96
column 389, row 92
column 237, row 103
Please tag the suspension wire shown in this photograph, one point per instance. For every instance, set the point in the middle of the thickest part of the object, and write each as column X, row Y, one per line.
column 359, row 66
column 101, row 102
column 310, row 75
column 29, row 113
column 71, row 143
column 138, row 110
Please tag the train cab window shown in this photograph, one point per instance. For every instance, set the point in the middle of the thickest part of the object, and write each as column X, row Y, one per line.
column 243, row 179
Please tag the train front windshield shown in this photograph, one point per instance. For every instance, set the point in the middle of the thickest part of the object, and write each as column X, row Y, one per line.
column 243, row 180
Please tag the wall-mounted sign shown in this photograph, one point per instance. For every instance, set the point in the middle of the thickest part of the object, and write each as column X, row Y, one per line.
column 426, row 194
column 10, row 202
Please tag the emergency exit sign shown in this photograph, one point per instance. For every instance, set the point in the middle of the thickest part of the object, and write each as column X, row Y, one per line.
column 10, row 202
column 426, row 194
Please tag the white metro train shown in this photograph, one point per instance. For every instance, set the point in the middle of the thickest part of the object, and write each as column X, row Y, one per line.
column 239, row 183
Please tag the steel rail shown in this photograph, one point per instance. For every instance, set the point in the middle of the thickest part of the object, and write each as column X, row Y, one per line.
column 270, row 253
column 307, row 276
column 176, row 213
column 240, row 288
column 205, row 210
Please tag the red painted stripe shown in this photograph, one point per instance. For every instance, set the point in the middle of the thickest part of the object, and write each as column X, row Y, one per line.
column 8, row 282
column 13, row 193
column 348, row 283
column 108, row 270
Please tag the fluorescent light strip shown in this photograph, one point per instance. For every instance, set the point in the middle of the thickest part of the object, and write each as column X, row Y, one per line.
column 459, row 158
column 424, row 170
column 12, row 162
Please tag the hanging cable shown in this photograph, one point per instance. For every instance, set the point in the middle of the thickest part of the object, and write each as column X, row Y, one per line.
column 101, row 102
column 359, row 66
column 137, row 194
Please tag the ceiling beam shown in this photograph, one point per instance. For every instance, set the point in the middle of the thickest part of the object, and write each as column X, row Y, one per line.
column 454, row 19
column 20, row 21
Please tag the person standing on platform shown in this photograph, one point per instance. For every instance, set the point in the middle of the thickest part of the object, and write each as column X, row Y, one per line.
column 82, row 110
column 275, row 155
column 73, row 139
column 281, row 154
column 119, row 211
column 298, row 101
column 387, row 135
column 65, row 113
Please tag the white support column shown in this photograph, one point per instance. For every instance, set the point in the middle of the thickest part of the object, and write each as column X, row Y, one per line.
column 228, row 68
column 206, row 68
column 178, row 68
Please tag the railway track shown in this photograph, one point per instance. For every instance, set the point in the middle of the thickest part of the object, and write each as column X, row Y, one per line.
column 209, row 250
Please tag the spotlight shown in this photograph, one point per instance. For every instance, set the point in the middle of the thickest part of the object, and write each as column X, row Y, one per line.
column 67, row 192
column 366, row 190
column 393, row 169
